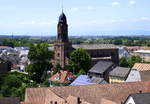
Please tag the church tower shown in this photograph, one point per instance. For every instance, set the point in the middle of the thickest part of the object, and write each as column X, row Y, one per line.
column 62, row 46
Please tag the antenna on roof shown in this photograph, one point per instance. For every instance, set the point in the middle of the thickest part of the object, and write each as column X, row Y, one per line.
column 62, row 7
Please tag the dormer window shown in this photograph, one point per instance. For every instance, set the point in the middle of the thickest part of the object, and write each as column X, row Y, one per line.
column 57, row 78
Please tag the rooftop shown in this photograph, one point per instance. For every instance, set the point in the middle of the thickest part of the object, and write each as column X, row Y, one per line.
column 85, row 80
column 141, row 98
column 145, row 75
column 143, row 51
column 9, row 100
column 62, row 19
column 134, row 76
column 62, row 77
column 90, row 93
column 120, row 72
column 141, row 66
column 95, row 46
column 101, row 67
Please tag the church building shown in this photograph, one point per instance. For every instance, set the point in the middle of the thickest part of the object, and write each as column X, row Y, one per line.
column 63, row 48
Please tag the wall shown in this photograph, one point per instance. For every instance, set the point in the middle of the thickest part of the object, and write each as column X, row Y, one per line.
column 130, row 101
column 115, row 80
column 4, row 67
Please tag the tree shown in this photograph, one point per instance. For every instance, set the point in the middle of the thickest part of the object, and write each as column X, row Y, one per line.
column 80, row 59
column 136, row 59
column 123, row 62
column 81, row 72
column 40, row 58
column 57, row 68
column 133, row 60
column 118, row 42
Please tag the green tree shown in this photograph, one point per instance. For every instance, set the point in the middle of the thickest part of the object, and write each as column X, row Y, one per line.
column 57, row 68
column 123, row 62
column 133, row 60
column 40, row 58
column 5, row 91
column 80, row 59
column 118, row 42
column 81, row 72
column 136, row 59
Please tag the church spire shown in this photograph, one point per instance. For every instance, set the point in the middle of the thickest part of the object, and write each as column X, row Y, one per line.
column 62, row 6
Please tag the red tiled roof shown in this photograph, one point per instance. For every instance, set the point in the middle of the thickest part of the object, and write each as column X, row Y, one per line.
column 90, row 93
column 141, row 66
column 4, row 47
column 35, row 96
column 135, row 48
column 62, row 77
column 105, row 101
column 9, row 100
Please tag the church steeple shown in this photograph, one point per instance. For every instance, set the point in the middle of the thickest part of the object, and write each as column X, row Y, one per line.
column 62, row 45
column 62, row 29
column 62, row 19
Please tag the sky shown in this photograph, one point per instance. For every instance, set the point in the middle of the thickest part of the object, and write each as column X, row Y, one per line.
column 85, row 17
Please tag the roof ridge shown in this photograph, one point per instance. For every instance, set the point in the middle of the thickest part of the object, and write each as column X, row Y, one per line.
column 55, row 94
column 148, row 82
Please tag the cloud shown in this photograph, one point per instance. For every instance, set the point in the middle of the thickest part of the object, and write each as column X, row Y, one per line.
column 115, row 3
column 27, row 23
column 145, row 19
column 117, row 20
column 37, row 22
column 91, row 8
column 132, row 2
column 74, row 9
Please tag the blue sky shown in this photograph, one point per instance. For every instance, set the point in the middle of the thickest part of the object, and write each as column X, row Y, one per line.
column 85, row 17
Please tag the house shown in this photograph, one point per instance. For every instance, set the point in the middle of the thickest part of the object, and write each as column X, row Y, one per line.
column 141, row 66
column 10, row 100
column 23, row 51
column 131, row 49
column 145, row 75
column 144, row 54
column 144, row 70
column 101, row 69
column 119, row 74
column 105, row 101
column 86, row 80
column 138, row 98
column 91, row 94
column 62, row 77
column 5, row 66
column 123, row 52
column 134, row 76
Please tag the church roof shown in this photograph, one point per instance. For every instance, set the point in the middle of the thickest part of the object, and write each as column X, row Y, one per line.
column 95, row 46
column 62, row 19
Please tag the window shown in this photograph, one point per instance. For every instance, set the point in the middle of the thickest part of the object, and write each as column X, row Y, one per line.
column 51, row 102
column 58, row 54
column 57, row 78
